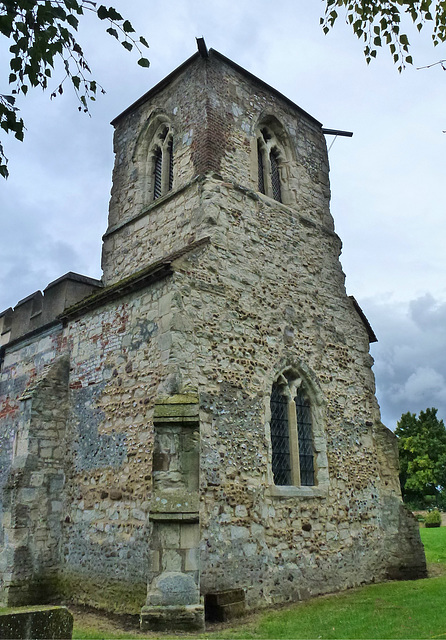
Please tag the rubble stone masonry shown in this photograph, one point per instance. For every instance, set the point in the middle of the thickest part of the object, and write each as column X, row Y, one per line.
column 136, row 454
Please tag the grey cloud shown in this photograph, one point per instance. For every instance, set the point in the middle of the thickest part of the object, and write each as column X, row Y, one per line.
column 410, row 363
column 428, row 314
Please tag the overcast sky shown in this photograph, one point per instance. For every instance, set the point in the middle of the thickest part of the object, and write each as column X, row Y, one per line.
column 387, row 181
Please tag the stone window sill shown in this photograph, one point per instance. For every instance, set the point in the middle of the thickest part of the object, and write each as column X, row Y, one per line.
column 320, row 491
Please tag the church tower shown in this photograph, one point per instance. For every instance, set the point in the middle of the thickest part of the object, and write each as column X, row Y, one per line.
column 223, row 446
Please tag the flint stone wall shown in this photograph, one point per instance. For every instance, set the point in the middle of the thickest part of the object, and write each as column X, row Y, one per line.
column 263, row 294
column 22, row 366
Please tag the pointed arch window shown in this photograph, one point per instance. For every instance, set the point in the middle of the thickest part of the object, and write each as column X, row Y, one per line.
column 269, row 163
column 291, row 429
column 162, row 162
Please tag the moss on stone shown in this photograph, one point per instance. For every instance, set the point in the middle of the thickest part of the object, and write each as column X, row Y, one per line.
column 179, row 398
column 101, row 592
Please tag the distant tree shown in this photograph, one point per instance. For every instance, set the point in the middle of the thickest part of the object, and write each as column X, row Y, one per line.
column 41, row 33
column 381, row 23
column 422, row 451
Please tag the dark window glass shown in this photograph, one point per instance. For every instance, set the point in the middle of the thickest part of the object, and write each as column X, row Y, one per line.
column 305, row 436
column 157, row 173
column 275, row 177
column 280, row 438
column 261, row 169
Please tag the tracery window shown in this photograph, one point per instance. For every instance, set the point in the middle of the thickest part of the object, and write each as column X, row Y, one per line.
column 291, row 429
column 269, row 161
column 162, row 162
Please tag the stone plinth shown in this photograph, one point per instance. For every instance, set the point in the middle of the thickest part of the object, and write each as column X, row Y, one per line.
column 173, row 617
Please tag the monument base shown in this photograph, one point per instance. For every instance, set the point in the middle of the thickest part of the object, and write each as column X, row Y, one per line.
column 176, row 617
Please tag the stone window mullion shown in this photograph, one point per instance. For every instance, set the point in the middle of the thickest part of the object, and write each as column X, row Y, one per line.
column 294, row 443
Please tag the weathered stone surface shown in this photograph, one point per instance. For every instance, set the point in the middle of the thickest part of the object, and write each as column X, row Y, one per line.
column 173, row 588
column 179, row 618
column 55, row 623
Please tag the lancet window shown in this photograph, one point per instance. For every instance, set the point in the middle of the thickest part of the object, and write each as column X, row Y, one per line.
column 269, row 164
column 291, row 429
column 161, row 158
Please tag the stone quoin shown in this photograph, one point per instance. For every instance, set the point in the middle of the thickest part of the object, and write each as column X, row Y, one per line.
column 198, row 431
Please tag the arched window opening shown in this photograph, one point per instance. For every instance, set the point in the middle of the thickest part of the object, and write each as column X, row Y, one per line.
column 154, row 159
column 162, row 161
column 269, row 160
column 291, row 430
column 157, row 158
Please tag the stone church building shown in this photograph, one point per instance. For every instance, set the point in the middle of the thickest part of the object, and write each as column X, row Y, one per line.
column 199, row 429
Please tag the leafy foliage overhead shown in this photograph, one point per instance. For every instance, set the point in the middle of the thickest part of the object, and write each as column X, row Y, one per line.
column 381, row 23
column 422, row 450
column 43, row 32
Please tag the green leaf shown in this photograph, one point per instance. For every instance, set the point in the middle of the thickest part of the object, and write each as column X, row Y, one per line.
column 15, row 64
column 73, row 21
column 127, row 45
column 113, row 32
column 144, row 42
column 102, row 12
column 127, row 27
column 143, row 62
column 114, row 15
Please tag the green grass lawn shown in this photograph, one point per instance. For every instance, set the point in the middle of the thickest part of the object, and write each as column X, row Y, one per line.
column 412, row 609
column 434, row 541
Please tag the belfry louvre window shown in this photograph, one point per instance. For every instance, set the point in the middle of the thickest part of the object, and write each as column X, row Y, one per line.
column 170, row 161
column 261, row 178
column 157, row 172
column 291, row 435
column 275, row 177
column 269, row 161
column 162, row 162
